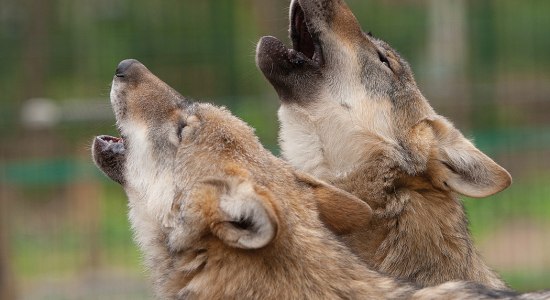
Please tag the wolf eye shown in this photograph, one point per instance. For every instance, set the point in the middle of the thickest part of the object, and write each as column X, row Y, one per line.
column 384, row 59
column 179, row 131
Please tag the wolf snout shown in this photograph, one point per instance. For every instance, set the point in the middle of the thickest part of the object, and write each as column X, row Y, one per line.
column 127, row 67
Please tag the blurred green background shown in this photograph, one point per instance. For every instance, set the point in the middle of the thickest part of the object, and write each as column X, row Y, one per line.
column 63, row 228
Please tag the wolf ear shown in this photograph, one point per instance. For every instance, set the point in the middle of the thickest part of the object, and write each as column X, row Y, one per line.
column 339, row 210
column 245, row 218
column 461, row 167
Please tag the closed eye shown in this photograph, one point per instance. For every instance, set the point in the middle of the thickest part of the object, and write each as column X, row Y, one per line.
column 179, row 131
column 384, row 59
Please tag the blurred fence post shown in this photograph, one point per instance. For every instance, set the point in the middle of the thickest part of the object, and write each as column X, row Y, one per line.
column 7, row 283
column 36, row 47
column 84, row 196
column 447, row 57
column 270, row 17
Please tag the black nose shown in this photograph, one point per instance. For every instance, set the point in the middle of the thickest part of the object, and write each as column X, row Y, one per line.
column 124, row 66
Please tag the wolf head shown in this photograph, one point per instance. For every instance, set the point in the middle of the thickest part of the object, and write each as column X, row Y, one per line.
column 346, row 94
column 199, row 183
column 202, row 190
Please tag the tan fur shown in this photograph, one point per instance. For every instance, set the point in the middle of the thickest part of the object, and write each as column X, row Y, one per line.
column 235, row 222
column 361, row 123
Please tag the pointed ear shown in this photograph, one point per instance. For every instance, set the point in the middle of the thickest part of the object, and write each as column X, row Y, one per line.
column 339, row 210
column 245, row 217
column 461, row 167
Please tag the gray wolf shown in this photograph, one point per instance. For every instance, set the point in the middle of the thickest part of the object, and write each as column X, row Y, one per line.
column 219, row 217
column 352, row 114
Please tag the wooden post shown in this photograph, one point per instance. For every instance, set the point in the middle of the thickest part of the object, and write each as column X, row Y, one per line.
column 447, row 57
column 7, row 282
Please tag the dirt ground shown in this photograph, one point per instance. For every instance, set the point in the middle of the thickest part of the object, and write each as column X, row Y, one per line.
column 105, row 285
column 518, row 245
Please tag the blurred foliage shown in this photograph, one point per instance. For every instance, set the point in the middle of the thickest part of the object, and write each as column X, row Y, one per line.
column 67, row 246
column 204, row 49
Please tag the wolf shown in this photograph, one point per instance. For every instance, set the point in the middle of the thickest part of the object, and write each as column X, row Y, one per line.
column 219, row 217
column 352, row 115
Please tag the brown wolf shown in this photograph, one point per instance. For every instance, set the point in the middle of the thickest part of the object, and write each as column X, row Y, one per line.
column 353, row 116
column 219, row 217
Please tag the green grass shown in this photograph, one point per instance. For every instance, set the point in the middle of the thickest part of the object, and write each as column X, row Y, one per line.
column 67, row 250
column 527, row 198
column 527, row 281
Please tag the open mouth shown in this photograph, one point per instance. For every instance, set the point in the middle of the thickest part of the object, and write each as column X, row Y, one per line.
column 111, row 143
column 304, row 41
column 294, row 70
column 109, row 154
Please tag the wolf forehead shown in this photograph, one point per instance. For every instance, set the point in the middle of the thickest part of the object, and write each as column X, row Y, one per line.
column 142, row 100
column 160, row 130
column 217, row 126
